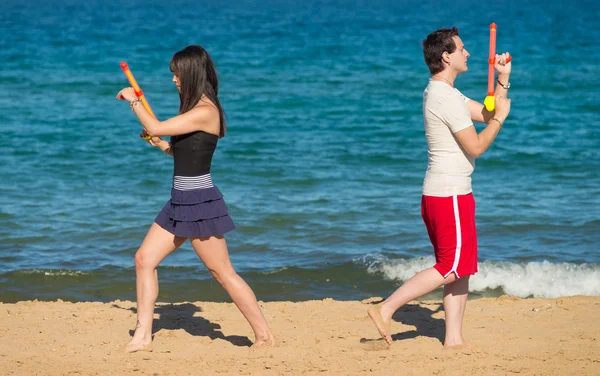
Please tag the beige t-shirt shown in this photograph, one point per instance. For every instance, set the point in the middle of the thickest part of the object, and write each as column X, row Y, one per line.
column 449, row 167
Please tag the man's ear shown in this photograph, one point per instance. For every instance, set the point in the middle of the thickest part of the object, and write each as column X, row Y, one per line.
column 446, row 58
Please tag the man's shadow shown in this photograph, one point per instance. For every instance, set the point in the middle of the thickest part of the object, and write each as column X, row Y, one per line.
column 422, row 319
column 181, row 316
column 419, row 317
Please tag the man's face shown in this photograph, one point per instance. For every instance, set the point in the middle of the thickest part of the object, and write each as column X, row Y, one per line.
column 458, row 59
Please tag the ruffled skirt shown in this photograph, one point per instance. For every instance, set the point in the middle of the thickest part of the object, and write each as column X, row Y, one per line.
column 195, row 213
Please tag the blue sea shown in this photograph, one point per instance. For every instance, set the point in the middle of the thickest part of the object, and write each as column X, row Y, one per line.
column 326, row 153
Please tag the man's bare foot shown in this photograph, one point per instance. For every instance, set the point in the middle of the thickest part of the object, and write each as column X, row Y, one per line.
column 384, row 328
column 132, row 347
column 269, row 341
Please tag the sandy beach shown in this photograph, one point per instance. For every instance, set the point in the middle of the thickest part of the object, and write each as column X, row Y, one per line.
column 511, row 335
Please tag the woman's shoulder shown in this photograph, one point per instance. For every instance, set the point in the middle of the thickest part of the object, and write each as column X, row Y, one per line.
column 207, row 113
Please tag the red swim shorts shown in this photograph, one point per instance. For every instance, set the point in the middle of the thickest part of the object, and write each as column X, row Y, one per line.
column 450, row 223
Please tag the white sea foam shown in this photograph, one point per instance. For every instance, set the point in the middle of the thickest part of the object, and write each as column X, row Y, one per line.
column 62, row 273
column 537, row 279
column 54, row 273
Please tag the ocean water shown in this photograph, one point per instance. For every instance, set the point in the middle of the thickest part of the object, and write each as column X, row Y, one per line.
column 323, row 164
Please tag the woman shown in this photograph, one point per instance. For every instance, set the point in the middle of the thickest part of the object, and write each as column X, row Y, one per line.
column 196, row 210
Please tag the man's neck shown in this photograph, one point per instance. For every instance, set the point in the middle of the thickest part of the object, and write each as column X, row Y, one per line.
column 446, row 76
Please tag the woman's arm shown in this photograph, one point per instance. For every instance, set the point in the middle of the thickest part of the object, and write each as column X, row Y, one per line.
column 158, row 142
column 200, row 118
column 197, row 119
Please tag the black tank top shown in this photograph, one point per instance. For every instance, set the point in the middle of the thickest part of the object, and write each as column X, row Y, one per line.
column 193, row 152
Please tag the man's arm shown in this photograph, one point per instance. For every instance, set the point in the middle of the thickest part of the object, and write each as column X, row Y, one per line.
column 475, row 144
column 478, row 110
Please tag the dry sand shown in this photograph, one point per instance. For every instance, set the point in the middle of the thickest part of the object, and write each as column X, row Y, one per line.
column 513, row 336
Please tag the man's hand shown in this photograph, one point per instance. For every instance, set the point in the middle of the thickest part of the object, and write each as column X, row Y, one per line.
column 501, row 65
column 502, row 108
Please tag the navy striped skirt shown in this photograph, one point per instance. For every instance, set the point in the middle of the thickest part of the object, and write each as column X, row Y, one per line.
column 195, row 210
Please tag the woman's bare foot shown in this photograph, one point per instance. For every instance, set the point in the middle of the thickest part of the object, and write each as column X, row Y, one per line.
column 384, row 328
column 456, row 342
column 268, row 341
column 462, row 346
column 132, row 347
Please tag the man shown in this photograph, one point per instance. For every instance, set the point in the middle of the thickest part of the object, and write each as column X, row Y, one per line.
column 447, row 205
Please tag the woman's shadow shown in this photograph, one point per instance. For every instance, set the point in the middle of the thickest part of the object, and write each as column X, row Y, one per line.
column 181, row 316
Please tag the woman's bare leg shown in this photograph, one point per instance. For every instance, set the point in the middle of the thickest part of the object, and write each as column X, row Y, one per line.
column 157, row 244
column 213, row 252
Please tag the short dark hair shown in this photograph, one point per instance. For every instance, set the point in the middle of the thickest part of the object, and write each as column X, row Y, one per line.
column 435, row 45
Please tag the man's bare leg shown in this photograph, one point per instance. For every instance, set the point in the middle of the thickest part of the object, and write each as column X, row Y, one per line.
column 455, row 301
column 420, row 284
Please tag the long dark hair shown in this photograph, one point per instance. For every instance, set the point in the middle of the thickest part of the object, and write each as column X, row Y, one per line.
column 435, row 45
column 197, row 76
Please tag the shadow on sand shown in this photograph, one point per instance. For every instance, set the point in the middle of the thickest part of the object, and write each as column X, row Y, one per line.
column 181, row 316
column 421, row 318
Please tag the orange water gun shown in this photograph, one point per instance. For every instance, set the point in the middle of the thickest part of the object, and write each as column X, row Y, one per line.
column 489, row 101
column 138, row 92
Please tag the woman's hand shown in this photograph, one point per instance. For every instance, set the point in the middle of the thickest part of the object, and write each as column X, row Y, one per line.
column 127, row 94
column 152, row 141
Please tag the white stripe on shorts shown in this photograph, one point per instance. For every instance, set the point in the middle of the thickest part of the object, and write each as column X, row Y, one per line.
column 187, row 183
column 458, row 238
